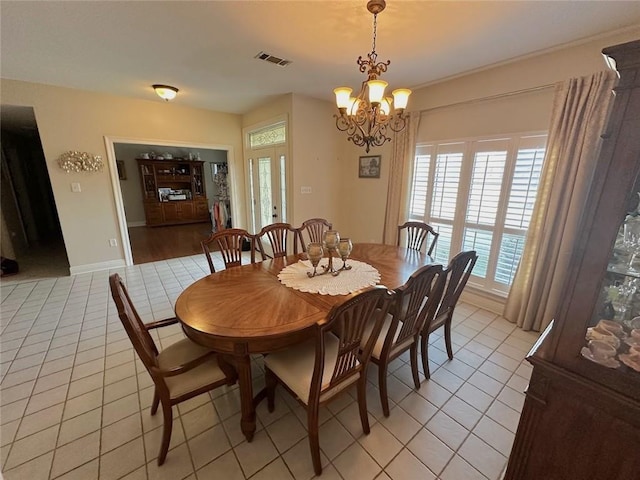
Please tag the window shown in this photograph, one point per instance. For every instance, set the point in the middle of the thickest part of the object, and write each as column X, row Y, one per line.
column 268, row 136
column 479, row 195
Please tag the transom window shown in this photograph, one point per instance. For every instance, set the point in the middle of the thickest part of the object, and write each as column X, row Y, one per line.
column 479, row 195
column 269, row 136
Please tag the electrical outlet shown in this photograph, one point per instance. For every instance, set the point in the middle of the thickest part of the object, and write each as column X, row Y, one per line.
column 113, row 242
column 75, row 187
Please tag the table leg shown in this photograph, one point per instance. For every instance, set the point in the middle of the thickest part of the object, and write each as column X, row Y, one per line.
column 243, row 365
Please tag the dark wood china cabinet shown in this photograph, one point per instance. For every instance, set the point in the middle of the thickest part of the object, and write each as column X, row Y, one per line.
column 581, row 417
column 173, row 191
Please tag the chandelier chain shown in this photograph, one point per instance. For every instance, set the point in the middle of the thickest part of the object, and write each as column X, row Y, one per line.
column 375, row 29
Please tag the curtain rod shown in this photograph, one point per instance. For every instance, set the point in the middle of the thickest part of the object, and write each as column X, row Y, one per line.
column 491, row 97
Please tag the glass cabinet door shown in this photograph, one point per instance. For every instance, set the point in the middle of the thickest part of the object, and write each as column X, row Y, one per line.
column 147, row 175
column 612, row 338
column 198, row 180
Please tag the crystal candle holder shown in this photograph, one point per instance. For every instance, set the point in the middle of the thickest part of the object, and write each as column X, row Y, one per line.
column 315, row 252
column 344, row 249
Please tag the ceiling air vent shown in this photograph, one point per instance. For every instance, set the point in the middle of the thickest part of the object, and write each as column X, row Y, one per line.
column 272, row 59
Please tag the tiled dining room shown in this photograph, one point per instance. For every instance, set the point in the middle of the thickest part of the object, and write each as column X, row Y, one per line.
column 76, row 399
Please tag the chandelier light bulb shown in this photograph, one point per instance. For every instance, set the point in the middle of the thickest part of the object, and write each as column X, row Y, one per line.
column 401, row 98
column 376, row 90
column 343, row 96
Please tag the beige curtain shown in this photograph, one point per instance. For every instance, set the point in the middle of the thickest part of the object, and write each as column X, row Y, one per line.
column 403, row 150
column 578, row 118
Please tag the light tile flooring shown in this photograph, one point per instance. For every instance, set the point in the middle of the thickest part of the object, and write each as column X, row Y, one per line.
column 75, row 399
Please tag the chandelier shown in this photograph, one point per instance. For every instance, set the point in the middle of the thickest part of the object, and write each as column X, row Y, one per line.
column 366, row 116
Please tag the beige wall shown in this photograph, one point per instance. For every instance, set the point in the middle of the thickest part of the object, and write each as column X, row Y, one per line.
column 365, row 199
column 282, row 105
column 320, row 156
column 512, row 114
column 313, row 154
column 316, row 162
column 78, row 120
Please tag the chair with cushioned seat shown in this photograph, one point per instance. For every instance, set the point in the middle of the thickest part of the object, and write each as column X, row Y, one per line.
column 415, row 302
column 278, row 236
column 453, row 280
column 181, row 371
column 229, row 242
column 317, row 370
column 311, row 231
column 416, row 233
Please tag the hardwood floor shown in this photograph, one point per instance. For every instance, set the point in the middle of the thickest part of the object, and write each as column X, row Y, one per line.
column 150, row 244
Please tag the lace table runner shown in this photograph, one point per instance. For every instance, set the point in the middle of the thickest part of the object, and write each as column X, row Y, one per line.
column 360, row 276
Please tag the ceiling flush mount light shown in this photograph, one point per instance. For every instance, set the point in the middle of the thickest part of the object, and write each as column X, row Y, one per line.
column 366, row 116
column 166, row 92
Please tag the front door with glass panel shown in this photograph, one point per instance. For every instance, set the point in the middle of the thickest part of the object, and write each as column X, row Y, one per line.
column 266, row 159
column 268, row 187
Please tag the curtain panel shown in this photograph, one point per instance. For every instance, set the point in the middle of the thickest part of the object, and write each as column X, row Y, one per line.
column 579, row 115
column 402, row 153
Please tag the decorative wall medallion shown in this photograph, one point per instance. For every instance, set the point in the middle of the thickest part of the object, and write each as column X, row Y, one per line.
column 74, row 161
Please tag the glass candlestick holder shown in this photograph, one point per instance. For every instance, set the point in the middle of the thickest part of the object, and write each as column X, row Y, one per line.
column 315, row 252
column 331, row 239
column 344, row 249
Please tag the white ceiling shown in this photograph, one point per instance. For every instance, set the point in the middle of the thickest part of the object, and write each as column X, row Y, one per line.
column 207, row 48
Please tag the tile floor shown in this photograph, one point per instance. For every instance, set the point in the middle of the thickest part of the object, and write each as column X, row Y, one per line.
column 75, row 399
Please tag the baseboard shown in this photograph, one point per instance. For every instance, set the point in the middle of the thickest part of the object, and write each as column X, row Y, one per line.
column 487, row 301
column 95, row 267
column 137, row 224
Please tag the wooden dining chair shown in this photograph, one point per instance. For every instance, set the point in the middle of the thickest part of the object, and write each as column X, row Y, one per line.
column 229, row 243
column 317, row 370
column 416, row 233
column 278, row 235
column 181, row 371
column 415, row 302
column 310, row 231
column 453, row 281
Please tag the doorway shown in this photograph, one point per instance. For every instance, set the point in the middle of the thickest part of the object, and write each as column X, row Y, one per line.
column 266, row 160
column 31, row 228
column 268, row 185
column 142, row 244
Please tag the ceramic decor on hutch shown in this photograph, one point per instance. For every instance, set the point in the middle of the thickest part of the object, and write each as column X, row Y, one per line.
column 581, row 416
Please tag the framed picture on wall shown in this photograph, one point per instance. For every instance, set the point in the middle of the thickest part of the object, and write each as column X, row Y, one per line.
column 122, row 172
column 369, row 167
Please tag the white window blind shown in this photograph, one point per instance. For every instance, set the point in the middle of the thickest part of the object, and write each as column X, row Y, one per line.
column 445, row 184
column 420, row 183
column 479, row 195
column 522, row 197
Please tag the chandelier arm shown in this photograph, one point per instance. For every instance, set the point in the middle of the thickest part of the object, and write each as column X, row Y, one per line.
column 342, row 123
column 398, row 122
column 355, row 132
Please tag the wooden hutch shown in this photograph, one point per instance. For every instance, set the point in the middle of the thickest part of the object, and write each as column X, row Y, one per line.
column 173, row 191
column 581, row 417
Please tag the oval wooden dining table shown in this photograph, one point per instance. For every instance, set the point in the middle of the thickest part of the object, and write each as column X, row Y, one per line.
column 246, row 310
